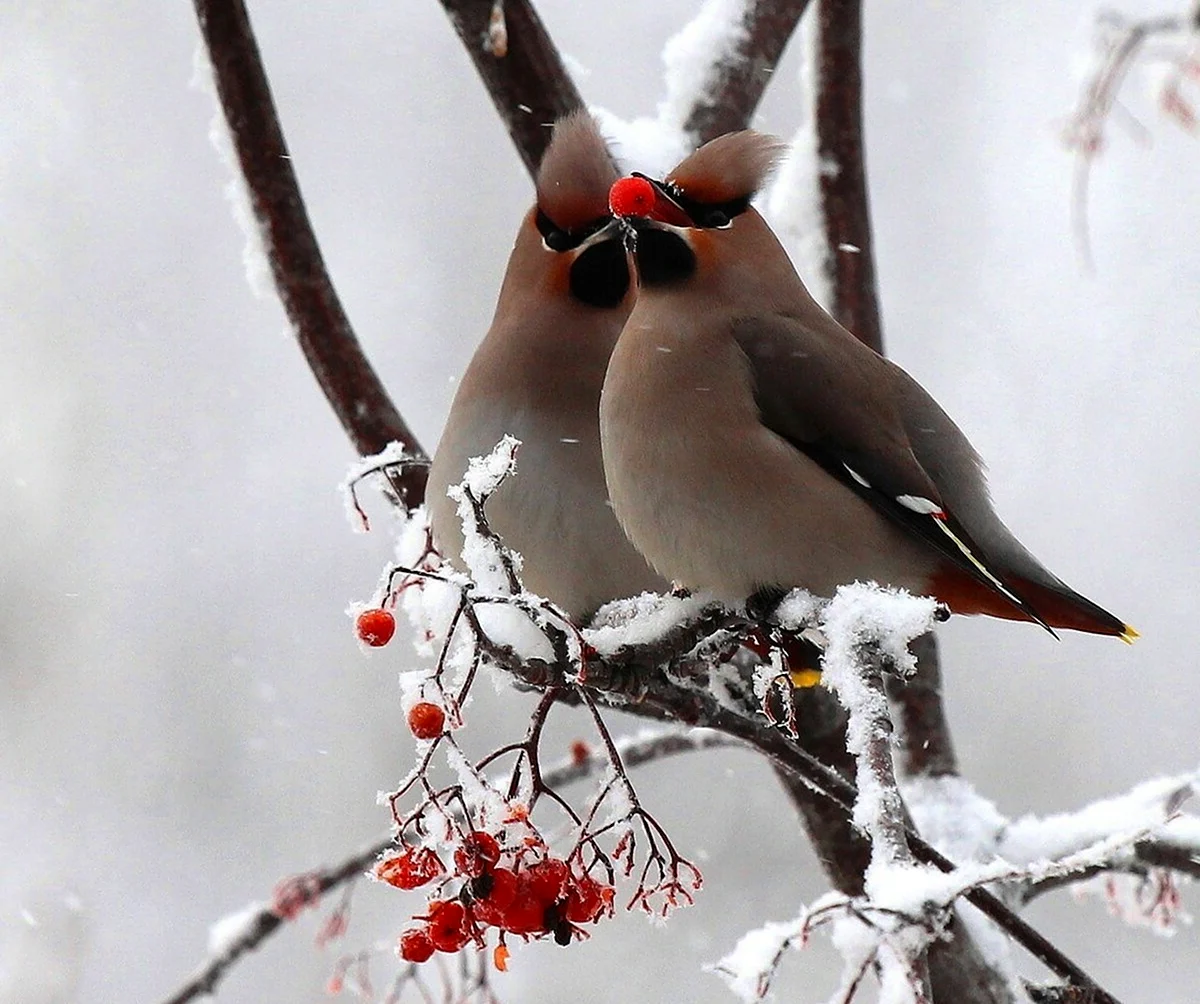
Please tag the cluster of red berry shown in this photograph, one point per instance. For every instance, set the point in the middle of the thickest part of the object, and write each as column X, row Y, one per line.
column 534, row 899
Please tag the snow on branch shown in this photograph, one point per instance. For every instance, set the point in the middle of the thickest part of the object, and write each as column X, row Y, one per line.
column 715, row 70
column 719, row 64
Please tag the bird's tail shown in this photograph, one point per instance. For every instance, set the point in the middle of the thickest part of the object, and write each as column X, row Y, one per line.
column 1056, row 606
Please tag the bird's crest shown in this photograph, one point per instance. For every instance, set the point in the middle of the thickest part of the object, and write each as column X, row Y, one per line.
column 733, row 166
column 576, row 173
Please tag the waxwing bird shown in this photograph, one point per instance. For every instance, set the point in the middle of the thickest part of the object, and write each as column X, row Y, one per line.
column 752, row 444
column 537, row 376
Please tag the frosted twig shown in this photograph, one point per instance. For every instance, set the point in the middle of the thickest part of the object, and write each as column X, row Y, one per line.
column 1120, row 42
column 264, row 921
column 866, row 628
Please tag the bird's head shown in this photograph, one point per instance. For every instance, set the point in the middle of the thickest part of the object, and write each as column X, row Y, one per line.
column 569, row 238
column 699, row 216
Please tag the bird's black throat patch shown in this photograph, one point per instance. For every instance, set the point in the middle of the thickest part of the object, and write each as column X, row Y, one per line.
column 600, row 275
column 663, row 257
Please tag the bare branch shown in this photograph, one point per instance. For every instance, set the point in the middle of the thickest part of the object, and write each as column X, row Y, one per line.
column 735, row 83
column 843, row 170
column 925, row 747
column 526, row 78
column 333, row 352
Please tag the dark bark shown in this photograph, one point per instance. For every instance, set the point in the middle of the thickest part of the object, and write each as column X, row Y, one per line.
column 328, row 341
column 527, row 81
column 737, row 80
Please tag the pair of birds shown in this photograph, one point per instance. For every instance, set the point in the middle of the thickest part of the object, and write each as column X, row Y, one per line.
column 689, row 413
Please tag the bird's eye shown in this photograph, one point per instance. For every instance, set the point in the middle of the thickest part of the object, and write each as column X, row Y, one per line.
column 558, row 240
column 717, row 219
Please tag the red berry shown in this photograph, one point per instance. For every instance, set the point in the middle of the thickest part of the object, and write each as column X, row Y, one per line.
column 415, row 946
column 547, row 879
column 479, row 851
column 426, row 720
column 375, row 627
column 411, row 869
column 525, row 915
column 490, row 905
column 587, row 899
column 504, row 889
column 581, row 753
column 448, row 928
column 632, row 197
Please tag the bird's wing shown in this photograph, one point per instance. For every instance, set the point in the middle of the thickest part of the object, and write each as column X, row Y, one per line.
column 834, row 399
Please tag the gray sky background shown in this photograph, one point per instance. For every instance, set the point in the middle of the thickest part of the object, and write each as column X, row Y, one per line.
column 186, row 716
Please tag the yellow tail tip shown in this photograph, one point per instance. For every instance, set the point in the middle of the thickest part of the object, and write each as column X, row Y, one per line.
column 802, row 679
column 1129, row 635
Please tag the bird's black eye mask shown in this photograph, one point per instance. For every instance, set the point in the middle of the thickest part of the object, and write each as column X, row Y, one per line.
column 704, row 215
column 600, row 275
column 557, row 239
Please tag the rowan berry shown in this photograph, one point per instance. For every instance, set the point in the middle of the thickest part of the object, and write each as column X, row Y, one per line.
column 415, row 946
column 448, row 927
column 547, row 879
column 478, row 853
column 426, row 720
column 411, row 869
column 375, row 627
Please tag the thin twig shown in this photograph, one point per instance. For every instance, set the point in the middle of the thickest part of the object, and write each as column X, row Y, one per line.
column 321, row 881
column 1122, row 43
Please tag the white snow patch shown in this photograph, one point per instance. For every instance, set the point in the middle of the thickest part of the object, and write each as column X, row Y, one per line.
column 640, row 620
column 1145, row 807
column 746, row 969
column 254, row 256
column 952, row 816
column 507, row 625
column 863, row 614
column 712, row 37
column 484, row 557
column 643, row 144
column 793, row 202
column 233, row 928
column 798, row 610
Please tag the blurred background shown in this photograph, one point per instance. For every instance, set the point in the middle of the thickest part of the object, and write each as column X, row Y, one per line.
column 185, row 716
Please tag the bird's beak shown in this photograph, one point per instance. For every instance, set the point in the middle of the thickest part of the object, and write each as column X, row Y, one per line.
column 612, row 230
column 637, row 200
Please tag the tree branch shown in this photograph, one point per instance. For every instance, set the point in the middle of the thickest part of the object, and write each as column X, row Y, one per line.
column 843, row 173
column 737, row 79
column 524, row 74
column 333, row 352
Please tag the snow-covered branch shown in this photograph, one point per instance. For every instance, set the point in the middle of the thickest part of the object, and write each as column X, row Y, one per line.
column 869, row 631
column 720, row 63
